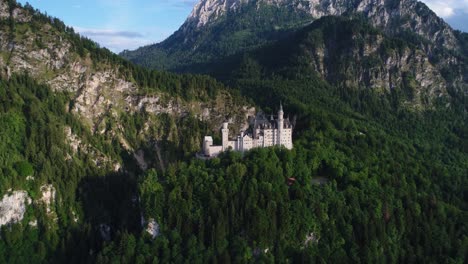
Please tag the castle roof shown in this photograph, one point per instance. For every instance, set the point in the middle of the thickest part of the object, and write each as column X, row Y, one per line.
column 262, row 122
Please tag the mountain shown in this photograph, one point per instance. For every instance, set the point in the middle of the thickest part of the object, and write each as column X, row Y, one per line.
column 393, row 17
column 346, row 53
column 103, row 86
column 217, row 30
column 98, row 165
column 224, row 27
column 78, row 126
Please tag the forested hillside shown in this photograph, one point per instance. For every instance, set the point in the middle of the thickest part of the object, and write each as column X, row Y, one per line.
column 380, row 155
column 78, row 124
column 378, row 184
column 97, row 158
column 350, row 54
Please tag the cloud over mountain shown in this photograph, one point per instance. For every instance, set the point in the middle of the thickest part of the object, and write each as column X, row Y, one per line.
column 448, row 8
column 115, row 40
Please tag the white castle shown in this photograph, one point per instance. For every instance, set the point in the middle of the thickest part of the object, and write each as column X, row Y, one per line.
column 262, row 133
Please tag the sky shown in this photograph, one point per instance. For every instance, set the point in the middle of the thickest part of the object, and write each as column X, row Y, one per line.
column 119, row 24
column 129, row 24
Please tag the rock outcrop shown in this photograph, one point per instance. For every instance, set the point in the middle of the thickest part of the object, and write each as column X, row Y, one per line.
column 366, row 59
column 13, row 206
column 152, row 228
column 47, row 197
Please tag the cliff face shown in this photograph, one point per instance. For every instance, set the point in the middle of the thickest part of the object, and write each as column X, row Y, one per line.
column 394, row 16
column 97, row 87
column 348, row 54
column 354, row 57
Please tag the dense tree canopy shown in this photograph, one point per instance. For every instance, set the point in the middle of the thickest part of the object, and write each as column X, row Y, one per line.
column 369, row 179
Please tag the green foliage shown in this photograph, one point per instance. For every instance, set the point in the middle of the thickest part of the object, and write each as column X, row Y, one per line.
column 152, row 195
column 33, row 121
column 24, row 169
column 374, row 182
column 12, row 135
column 382, row 199
column 89, row 194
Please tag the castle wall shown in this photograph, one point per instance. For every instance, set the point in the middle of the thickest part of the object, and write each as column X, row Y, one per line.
column 286, row 138
column 268, row 138
column 214, row 151
column 232, row 145
column 247, row 143
column 207, row 143
column 258, row 143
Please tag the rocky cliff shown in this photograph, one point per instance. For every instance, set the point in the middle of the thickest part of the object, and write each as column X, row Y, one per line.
column 99, row 89
column 347, row 53
column 394, row 16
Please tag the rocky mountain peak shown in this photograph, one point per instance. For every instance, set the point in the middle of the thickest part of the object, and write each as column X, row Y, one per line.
column 207, row 10
column 393, row 16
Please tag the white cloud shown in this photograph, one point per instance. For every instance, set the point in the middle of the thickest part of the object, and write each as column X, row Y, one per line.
column 115, row 40
column 447, row 8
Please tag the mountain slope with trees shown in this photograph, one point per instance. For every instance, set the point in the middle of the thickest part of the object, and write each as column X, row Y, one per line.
column 368, row 180
column 217, row 30
column 373, row 182
column 78, row 126
column 376, row 153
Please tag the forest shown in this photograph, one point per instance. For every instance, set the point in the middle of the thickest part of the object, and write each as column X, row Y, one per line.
column 371, row 186
column 369, row 179
column 382, row 184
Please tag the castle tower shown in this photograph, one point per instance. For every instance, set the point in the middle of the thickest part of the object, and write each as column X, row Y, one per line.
column 225, row 136
column 280, row 124
column 207, row 143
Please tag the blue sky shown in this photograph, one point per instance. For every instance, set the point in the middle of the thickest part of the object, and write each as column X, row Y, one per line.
column 119, row 24
column 129, row 24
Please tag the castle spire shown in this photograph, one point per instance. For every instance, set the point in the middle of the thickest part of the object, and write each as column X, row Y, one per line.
column 280, row 112
column 280, row 125
column 225, row 136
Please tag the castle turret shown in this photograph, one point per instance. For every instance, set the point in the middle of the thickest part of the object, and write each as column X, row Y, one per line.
column 207, row 143
column 280, row 124
column 225, row 136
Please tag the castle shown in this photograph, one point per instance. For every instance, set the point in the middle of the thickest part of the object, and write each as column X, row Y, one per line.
column 262, row 133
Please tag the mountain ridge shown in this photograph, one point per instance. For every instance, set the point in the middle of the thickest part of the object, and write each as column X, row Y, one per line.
column 381, row 13
column 219, row 29
column 394, row 17
column 78, row 66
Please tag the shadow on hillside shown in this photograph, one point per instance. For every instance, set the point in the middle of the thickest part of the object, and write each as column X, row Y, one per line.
column 110, row 206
